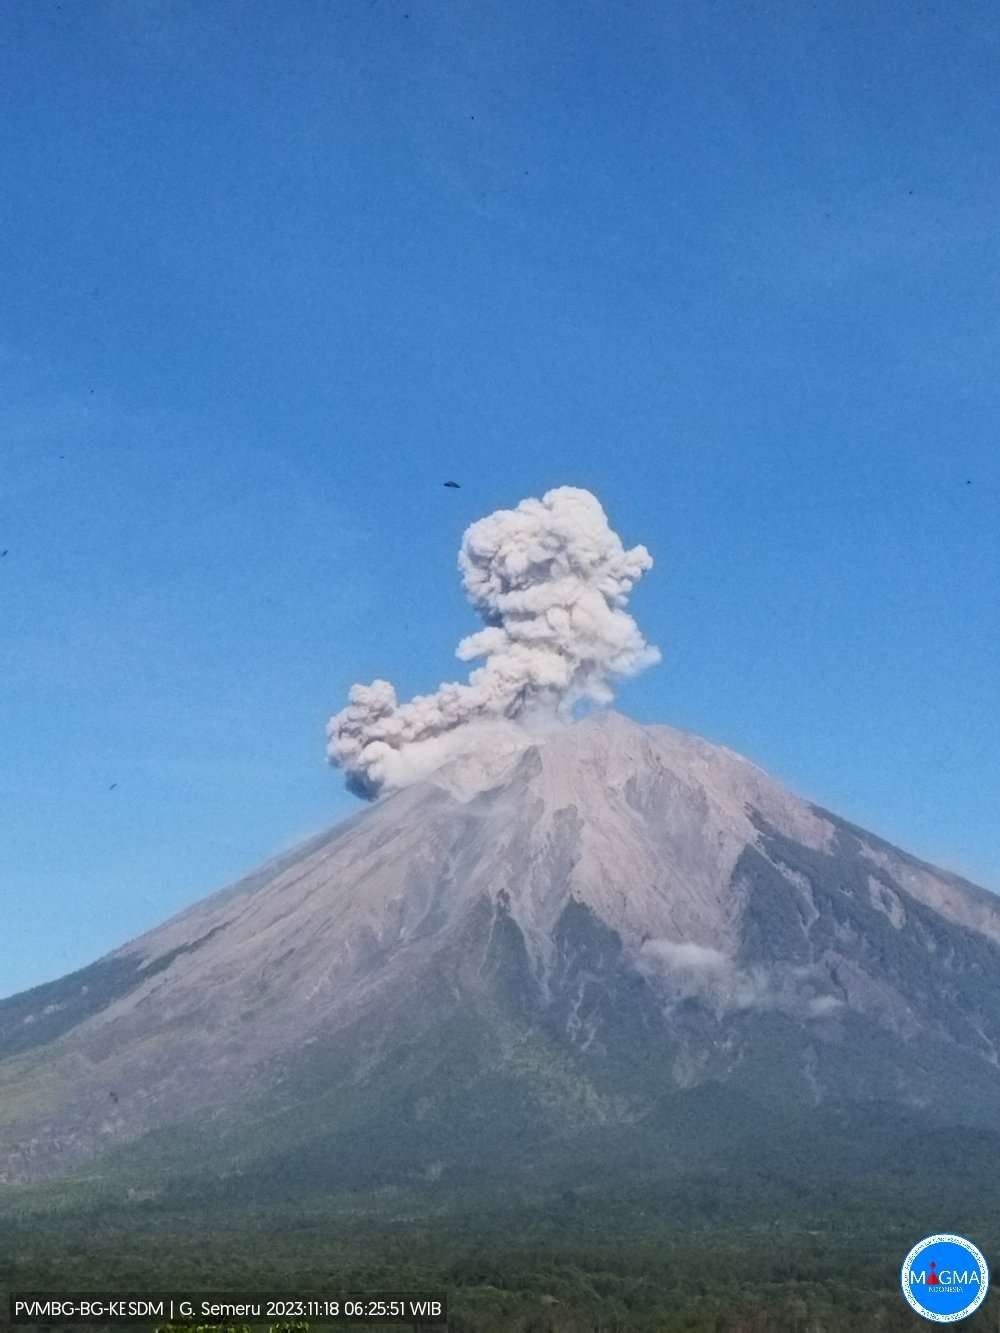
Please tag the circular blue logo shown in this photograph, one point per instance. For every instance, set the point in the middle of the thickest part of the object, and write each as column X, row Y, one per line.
column 944, row 1278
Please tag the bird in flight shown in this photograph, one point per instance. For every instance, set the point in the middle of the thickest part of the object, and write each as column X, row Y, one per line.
column 453, row 485
column 113, row 786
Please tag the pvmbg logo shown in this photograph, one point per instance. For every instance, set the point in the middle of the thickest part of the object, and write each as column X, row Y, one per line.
column 945, row 1278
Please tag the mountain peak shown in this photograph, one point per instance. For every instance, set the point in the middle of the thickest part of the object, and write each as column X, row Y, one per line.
column 595, row 886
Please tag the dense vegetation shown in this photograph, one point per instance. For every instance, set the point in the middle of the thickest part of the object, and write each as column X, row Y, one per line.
column 569, row 1265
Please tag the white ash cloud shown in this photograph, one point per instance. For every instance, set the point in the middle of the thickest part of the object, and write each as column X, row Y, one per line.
column 685, row 970
column 685, row 955
column 551, row 581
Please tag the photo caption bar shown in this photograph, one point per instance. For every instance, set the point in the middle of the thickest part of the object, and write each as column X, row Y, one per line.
column 48, row 1307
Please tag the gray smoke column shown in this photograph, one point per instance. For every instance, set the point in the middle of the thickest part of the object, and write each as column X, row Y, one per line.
column 550, row 580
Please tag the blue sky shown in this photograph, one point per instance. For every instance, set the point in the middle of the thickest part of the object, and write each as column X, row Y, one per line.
column 271, row 273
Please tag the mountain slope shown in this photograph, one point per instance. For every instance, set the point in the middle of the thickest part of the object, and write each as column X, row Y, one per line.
column 598, row 947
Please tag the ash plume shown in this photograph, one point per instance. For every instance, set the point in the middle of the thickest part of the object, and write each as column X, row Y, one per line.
column 551, row 581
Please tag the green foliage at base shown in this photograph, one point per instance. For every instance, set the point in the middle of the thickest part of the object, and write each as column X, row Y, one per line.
column 569, row 1266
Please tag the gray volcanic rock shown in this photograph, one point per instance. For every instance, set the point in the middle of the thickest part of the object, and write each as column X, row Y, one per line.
column 599, row 929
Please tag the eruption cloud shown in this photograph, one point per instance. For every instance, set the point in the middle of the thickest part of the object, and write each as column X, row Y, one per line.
column 551, row 581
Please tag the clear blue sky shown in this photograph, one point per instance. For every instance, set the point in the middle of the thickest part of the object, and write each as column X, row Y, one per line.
column 270, row 273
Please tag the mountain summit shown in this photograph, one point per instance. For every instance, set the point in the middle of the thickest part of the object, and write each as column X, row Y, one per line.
column 597, row 942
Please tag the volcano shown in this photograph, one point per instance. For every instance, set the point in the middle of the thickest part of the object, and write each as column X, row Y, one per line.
column 598, row 949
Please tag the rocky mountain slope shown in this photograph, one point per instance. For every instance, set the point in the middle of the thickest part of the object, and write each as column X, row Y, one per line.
column 596, row 943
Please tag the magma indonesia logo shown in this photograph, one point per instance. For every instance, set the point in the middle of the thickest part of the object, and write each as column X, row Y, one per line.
column 945, row 1278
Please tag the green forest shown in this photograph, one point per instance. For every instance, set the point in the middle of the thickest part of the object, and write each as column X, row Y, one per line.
column 529, row 1271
